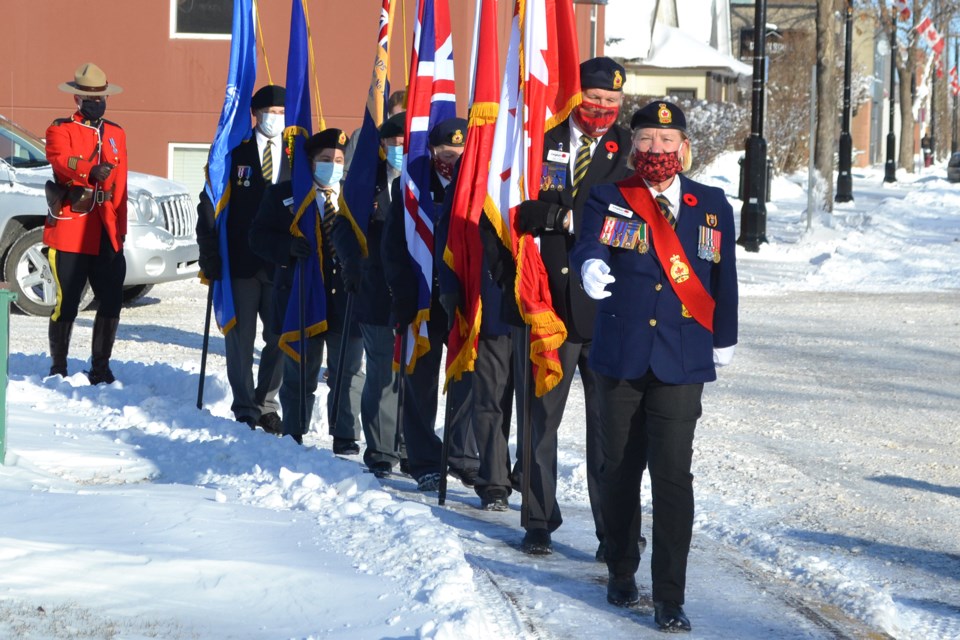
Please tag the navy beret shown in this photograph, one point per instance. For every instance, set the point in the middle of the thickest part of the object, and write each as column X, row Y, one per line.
column 271, row 95
column 394, row 126
column 452, row 132
column 326, row 139
column 601, row 73
column 659, row 115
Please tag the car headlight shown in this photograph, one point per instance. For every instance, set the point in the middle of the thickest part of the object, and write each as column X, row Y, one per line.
column 149, row 209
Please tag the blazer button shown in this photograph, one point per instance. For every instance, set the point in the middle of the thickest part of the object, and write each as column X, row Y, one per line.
column 653, row 322
column 658, row 287
column 332, row 291
column 564, row 270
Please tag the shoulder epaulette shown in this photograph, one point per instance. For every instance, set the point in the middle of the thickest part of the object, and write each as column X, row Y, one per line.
column 60, row 121
column 112, row 123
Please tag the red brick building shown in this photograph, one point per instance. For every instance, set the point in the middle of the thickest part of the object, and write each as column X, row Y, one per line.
column 172, row 63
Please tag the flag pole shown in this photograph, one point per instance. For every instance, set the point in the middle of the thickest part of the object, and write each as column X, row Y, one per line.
column 206, row 346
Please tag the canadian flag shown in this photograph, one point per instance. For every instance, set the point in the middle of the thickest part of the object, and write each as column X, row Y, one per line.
column 933, row 38
column 954, row 81
column 902, row 7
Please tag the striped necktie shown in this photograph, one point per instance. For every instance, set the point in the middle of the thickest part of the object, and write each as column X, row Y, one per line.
column 329, row 211
column 665, row 210
column 582, row 161
column 267, row 164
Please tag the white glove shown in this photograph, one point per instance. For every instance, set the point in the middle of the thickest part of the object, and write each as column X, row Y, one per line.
column 595, row 276
column 723, row 356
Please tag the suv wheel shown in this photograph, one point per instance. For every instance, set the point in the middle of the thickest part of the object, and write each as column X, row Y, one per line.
column 28, row 272
column 135, row 292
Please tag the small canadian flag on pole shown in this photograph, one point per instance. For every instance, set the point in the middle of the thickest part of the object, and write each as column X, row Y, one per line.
column 903, row 8
column 954, row 81
column 931, row 35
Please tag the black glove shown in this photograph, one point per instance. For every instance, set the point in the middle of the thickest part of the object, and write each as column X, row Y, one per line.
column 100, row 172
column 450, row 302
column 534, row 216
column 351, row 275
column 300, row 247
column 404, row 310
column 211, row 266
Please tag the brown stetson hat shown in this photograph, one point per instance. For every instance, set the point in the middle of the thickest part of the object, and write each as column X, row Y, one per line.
column 90, row 80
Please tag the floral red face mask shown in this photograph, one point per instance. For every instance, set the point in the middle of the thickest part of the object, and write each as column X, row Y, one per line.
column 595, row 125
column 443, row 169
column 657, row 167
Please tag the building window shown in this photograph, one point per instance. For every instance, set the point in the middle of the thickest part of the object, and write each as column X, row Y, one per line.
column 201, row 18
column 682, row 94
column 186, row 163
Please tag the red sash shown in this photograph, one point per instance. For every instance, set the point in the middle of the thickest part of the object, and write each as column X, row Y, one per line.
column 669, row 251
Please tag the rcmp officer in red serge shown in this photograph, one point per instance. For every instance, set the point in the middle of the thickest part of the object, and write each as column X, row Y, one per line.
column 658, row 251
column 256, row 163
column 586, row 149
column 86, row 231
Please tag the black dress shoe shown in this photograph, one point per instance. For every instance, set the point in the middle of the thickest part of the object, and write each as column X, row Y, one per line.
column 249, row 421
column 381, row 469
column 669, row 616
column 622, row 590
column 271, row 423
column 468, row 477
column 537, row 542
column 495, row 499
column 345, row 447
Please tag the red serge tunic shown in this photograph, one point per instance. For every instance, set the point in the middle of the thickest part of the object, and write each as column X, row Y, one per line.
column 74, row 147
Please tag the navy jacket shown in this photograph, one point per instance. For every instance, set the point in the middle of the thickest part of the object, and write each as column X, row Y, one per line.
column 641, row 326
column 245, row 196
column 270, row 238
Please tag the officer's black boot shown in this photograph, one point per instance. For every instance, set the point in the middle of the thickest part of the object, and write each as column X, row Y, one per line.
column 59, row 335
column 104, row 333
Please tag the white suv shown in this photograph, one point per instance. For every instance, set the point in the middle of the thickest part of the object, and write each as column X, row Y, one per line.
column 161, row 243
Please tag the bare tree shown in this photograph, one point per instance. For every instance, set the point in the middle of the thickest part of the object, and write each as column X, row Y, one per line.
column 827, row 95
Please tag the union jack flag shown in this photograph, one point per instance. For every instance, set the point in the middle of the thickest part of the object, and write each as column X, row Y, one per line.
column 430, row 99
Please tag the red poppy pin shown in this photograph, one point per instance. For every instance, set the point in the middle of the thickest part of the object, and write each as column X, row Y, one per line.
column 689, row 199
column 612, row 146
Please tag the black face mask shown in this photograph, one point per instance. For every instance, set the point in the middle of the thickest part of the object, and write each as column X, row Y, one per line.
column 93, row 109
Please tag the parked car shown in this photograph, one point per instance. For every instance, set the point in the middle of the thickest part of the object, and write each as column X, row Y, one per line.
column 161, row 243
column 953, row 168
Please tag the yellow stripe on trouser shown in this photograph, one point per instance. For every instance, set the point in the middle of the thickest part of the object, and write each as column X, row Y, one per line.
column 52, row 259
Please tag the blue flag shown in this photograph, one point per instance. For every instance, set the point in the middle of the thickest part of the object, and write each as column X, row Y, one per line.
column 356, row 199
column 306, row 219
column 232, row 129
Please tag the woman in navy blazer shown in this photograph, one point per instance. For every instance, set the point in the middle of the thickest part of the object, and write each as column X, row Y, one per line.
column 658, row 251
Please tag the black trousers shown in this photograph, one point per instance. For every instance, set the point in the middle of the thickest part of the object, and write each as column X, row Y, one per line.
column 646, row 419
column 421, row 388
column 546, row 414
column 492, row 410
column 106, row 272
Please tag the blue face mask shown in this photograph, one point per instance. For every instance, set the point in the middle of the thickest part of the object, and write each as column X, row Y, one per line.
column 395, row 156
column 327, row 174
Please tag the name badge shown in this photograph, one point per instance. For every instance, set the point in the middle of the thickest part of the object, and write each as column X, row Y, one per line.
column 288, row 202
column 620, row 211
column 558, row 156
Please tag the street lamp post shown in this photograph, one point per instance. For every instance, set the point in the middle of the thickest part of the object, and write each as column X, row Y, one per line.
column 956, row 62
column 844, row 180
column 890, row 168
column 753, row 214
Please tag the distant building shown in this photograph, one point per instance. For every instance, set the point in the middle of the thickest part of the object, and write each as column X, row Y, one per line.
column 171, row 58
column 677, row 48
